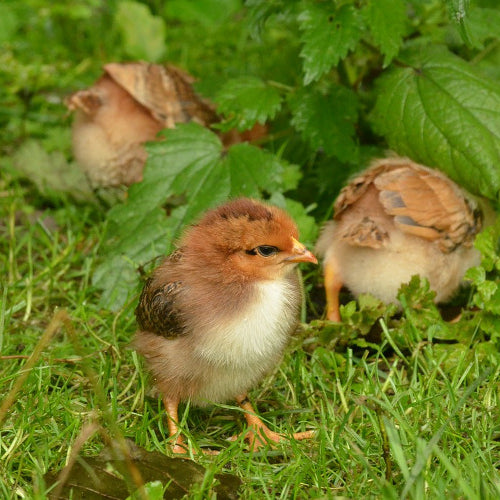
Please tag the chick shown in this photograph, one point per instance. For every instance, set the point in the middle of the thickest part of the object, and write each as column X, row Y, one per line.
column 395, row 220
column 127, row 106
column 216, row 316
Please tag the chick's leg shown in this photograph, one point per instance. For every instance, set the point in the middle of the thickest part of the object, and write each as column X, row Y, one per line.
column 258, row 434
column 179, row 447
column 171, row 406
column 333, row 284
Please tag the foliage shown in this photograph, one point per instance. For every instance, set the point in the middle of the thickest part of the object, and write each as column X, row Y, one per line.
column 335, row 82
column 406, row 404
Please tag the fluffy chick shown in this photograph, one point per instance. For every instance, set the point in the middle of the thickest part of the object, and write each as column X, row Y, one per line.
column 216, row 315
column 395, row 220
column 127, row 106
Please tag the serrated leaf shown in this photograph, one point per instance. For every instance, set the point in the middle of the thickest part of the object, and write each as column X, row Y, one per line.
column 327, row 121
column 487, row 242
column 191, row 164
column 483, row 25
column 247, row 100
column 441, row 113
column 328, row 35
column 143, row 33
column 387, row 22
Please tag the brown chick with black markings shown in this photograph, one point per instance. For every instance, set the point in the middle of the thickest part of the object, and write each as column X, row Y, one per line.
column 216, row 316
column 394, row 220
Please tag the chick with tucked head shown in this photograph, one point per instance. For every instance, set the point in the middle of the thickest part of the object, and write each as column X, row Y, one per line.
column 395, row 220
column 126, row 107
column 217, row 314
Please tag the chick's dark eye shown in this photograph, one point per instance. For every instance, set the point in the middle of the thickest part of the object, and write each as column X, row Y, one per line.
column 263, row 250
column 267, row 250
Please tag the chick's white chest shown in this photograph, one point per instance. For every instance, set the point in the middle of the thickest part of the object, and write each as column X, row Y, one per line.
column 255, row 338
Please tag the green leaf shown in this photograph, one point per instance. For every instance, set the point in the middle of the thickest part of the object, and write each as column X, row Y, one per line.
column 247, row 100
column 191, row 165
column 483, row 25
column 327, row 121
column 143, row 34
column 487, row 242
column 387, row 21
column 118, row 278
column 441, row 113
column 328, row 35
column 153, row 490
column 308, row 229
column 51, row 173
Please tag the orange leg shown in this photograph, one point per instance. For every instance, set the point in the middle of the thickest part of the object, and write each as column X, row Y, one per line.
column 171, row 406
column 179, row 447
column 258, row 434
column 333, row 284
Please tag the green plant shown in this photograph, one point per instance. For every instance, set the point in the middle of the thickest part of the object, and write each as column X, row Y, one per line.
column 405, row 404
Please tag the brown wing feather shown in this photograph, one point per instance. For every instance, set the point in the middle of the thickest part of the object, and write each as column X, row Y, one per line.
column 365, row 233
column 356, row 188
column 427, row 204
column 421, row 201
column 165, row 91
column 157, row 311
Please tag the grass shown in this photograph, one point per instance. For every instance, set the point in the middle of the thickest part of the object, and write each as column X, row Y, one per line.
column 408, row 425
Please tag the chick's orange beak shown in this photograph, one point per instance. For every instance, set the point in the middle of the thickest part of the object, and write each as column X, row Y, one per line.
column 300, row 253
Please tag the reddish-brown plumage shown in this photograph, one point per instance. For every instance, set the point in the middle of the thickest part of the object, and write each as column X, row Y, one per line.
column 127, row 106
column 394, row 220
column 216, row 316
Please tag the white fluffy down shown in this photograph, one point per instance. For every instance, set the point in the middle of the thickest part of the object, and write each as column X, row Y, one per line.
column 242, row 352
column 381, row 272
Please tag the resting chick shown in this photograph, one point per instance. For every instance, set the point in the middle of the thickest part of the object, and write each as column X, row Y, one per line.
column 127, row 106
column 395, row 220
column 216, row 316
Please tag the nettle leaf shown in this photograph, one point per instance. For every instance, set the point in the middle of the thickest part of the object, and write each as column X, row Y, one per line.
column 189, row 165
column 439, row 111
column 247, row 100
column 483, row 25
column 328, row 35
column 143, row 34
column 327, row 121
column 387, row 21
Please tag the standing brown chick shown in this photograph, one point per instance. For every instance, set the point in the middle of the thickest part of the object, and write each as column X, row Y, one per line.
column 127, row 106
column 395, row 220
column 216, row 316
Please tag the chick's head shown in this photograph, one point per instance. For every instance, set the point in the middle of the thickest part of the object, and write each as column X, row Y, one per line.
column 245, row 240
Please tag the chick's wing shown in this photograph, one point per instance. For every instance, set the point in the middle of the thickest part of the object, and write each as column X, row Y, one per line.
column 428, row 205
column 157, row 311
